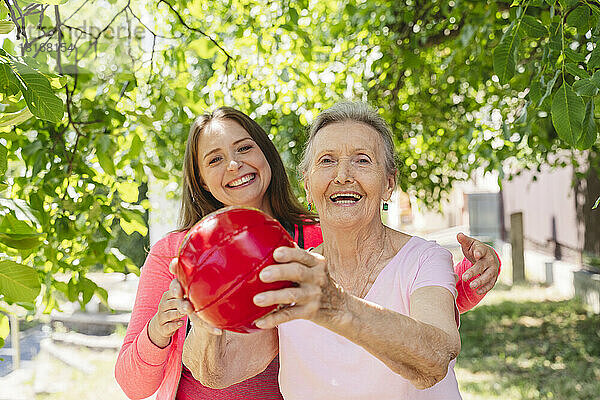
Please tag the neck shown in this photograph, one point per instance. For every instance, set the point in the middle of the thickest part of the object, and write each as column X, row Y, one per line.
column 352, row 251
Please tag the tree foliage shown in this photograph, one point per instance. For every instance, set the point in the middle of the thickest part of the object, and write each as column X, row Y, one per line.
column 96, row 98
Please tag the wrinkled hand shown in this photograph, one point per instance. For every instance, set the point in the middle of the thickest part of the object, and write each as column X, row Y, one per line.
column 315, row 290
column 485, row 263
column 185, row 307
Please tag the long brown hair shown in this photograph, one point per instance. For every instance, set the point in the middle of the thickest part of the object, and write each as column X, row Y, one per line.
column 196, row 202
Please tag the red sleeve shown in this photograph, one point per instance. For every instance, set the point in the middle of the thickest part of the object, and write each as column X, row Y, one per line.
column 312, row 235
column 141, row 364
column 467, row 297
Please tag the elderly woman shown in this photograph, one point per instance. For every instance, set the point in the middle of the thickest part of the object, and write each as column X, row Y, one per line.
column 374, row 310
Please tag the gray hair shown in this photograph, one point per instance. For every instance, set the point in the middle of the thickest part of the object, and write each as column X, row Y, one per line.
column 353, row 112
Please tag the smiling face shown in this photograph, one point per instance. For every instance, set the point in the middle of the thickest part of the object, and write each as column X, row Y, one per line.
column 347, row 179
column 232, row 166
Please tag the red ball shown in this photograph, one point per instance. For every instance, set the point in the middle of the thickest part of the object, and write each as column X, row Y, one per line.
column 219, row 262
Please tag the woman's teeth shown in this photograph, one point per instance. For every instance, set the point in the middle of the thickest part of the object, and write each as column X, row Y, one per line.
column 242, row 180
column 345, row 198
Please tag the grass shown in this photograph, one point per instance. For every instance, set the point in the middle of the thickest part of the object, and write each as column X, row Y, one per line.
column 516, row 349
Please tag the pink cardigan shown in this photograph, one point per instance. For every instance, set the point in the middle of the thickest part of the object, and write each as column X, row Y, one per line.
column 142, row 368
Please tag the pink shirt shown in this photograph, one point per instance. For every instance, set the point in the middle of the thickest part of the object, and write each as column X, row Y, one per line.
column 319, row 364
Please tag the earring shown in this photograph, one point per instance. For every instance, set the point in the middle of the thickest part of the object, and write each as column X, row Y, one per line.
column 310, row 206
column 385, row 206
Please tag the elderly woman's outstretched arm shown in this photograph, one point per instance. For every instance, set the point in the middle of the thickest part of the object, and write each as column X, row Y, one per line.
column 418, row 347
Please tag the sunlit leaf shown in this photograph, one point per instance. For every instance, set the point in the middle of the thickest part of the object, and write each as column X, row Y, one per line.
column 38, row 94
column 132, row 221
column 15, row 118
column 128, row 191
column 18, row 282
column 4, row 326
column 6, row 27
column 3, row 160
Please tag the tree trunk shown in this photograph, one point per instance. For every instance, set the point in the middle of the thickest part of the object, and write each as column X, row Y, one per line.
column 591, row 218
column 587, row 187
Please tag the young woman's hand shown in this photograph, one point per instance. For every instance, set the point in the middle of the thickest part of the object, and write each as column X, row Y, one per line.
column 485, row 263
column 168, row 318
column 185, row 306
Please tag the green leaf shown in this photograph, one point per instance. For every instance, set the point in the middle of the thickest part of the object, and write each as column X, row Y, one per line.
column 535, row 91
column 18, row 234
column 6, row 27
column 120, row 262
column 38, row 94
column 72, row 292
column 549, row 88
column 136, row 147
column 533, row 27
column 579, row 18
column 4, row 326
column 106, row 162
column 158, row 172
column 87, row 287
column 3, row 159
column 102, row 295
column 9, row 82
column 568, row 111
column 585, row 87
column 18, row 282
column 128, row 191
column 590, row 132
column 293, row 15
column 574, row 56
column 596, row 204
column 568, row 3
column 21, row 242
column 594, row 60
column 22, row 211
column 505, row 55
column 16, row 118
column 132, row 221
column 51, row 2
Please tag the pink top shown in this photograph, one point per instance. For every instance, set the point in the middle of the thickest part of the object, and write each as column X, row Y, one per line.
column 319, row 364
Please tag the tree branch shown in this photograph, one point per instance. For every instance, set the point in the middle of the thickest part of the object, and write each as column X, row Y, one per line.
column 199, row 31
column 13, row 18
column 146, row 27
column 58, row 49
column 94, row 43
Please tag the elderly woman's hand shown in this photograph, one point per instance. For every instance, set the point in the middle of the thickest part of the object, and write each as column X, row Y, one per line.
column 485, row 263
column 314, row 294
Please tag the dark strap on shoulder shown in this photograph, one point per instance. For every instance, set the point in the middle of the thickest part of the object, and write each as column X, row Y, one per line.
column 301, row 236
